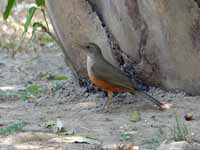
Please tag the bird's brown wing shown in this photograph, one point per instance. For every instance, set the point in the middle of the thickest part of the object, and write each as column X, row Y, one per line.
column 107, row 72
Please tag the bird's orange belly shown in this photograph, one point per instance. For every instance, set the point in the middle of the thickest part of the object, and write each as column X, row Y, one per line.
column 107, row 86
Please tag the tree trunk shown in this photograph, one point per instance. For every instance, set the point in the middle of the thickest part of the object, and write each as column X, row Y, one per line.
column 2, row 5
column 159, row 39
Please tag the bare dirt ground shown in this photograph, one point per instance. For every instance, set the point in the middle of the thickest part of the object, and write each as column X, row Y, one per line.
column 76, row 109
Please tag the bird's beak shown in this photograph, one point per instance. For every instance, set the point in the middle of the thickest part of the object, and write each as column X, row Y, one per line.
column 79, row 44
column 82, row 46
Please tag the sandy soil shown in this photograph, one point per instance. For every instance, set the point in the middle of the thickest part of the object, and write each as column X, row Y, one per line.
column 77, row 108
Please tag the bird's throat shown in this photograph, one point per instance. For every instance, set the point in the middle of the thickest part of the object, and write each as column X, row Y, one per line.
column 90, row 63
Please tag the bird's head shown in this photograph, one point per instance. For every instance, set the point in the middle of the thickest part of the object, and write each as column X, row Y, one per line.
column 90, row 49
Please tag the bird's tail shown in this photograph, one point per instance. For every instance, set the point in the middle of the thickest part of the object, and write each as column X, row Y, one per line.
column 150, row 98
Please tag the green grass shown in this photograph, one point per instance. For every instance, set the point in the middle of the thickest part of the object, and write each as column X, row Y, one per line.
column 45, row 39
column 156, row 139
column 12, row 128
column 31, row 92
column 180, row 130
column 125, row 136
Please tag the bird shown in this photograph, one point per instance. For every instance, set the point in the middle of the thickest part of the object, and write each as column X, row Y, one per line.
column 109, row 78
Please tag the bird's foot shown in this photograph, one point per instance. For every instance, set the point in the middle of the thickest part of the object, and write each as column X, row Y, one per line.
column 106, row 110
column 100, row 110
column 97, row 110
column 106, row 107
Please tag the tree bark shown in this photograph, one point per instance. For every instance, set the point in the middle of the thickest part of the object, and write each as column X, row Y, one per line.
column 159, row 39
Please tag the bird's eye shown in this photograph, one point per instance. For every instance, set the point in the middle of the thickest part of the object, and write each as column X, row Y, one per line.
column 88, row 46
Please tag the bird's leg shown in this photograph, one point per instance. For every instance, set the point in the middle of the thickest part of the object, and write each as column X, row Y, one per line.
column 107, row 104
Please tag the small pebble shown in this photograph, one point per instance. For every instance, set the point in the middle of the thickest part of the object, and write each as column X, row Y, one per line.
column 189, row 117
